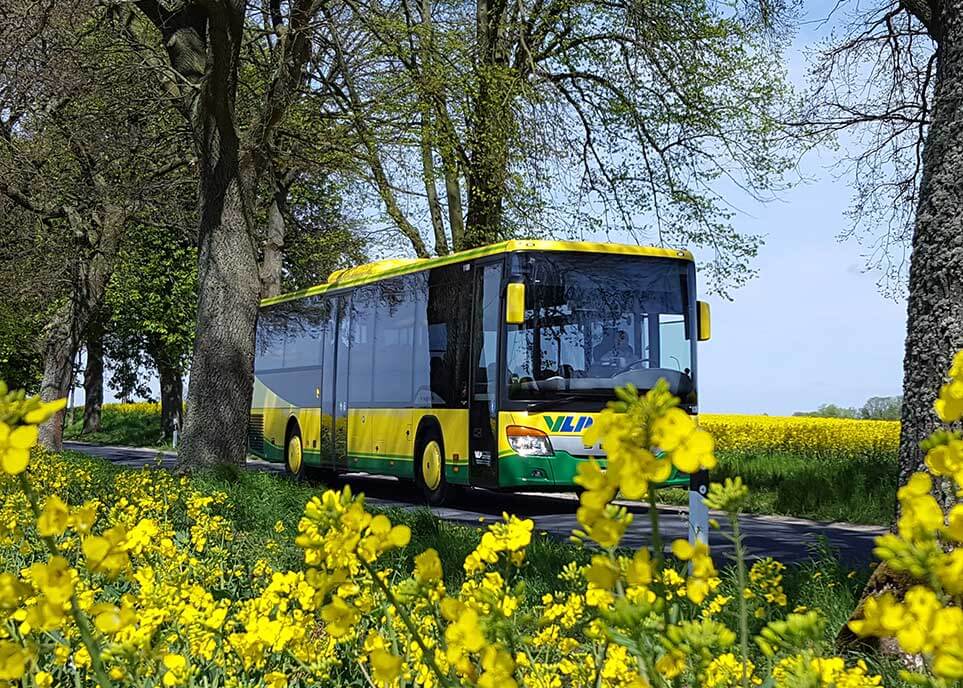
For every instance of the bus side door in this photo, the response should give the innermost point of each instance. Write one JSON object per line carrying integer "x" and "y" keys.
{"x": 483, "y": 405}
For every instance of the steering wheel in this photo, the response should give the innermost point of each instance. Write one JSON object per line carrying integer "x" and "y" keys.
{"x": 630, "y": 366}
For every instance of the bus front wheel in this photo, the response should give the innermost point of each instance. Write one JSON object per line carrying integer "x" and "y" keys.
{"x": 431, "y": 469}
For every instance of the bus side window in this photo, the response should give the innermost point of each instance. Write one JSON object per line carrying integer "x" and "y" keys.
{"x": 449, "y": 329}
{"x": 393, "y": 342}
{"x": 361, "y": 354}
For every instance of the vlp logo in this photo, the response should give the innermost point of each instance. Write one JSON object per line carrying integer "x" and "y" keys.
{"x": 567, "y": 423}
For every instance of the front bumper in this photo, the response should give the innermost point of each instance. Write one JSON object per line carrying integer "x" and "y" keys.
{"x": 554, "y": 473}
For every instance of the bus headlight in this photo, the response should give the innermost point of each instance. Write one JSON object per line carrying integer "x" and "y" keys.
{"x": 526, "y": 441}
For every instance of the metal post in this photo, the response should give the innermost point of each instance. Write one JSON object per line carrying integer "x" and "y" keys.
{"x": 698, "y": 511}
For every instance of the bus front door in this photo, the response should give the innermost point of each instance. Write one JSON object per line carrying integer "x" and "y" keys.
{"x": 483, "y": 408}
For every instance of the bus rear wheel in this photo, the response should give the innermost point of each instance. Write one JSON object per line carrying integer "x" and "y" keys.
{"x": 430, "y": 459}
{"x": 294, "y": 454}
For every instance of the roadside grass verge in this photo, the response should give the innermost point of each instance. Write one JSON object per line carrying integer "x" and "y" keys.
{"x": 856, "y": 490}
{"x": 258, "y": 501}
{"x": 125, "y": 425}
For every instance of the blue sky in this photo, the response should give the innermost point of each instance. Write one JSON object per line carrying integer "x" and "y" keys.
{"x": 812, "y": 328}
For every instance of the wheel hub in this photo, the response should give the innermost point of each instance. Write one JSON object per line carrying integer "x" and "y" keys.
{"x": 294, "y": 454}
{"x": 431, "y": 465}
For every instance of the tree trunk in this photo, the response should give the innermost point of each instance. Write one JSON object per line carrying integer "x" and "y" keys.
{"x": 62, "y": 337}
{"x": 64, "y": 331}
{"x": 491, "y": 130}
{"x": 272, "y": 254}
{"x": 489, "y": 166}
{"x": 222, "y": 367}
{"x": 431, "y": 191}
{"x": 934, "y": 313}
{"x": 172, "y": 397}
{"x": 456, "y": 220}
{"x": 935, "y": 306}
{"x": 94, "y": 378}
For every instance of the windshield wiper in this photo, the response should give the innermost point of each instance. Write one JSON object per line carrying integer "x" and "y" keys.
{"x": 560, "y": 400}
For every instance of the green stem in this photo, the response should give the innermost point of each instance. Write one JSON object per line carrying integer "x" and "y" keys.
{"x": 83, "y": 624}
{"x": 428, "y": 654}
{"x": 743, "y": 611}
{"x": 656, "y": 535}
{"x": 657, "y": 546}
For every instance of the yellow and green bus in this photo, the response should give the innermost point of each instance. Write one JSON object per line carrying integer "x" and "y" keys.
{"x": 481, "y": 368}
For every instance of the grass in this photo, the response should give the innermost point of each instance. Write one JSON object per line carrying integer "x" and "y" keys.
{"x": 127, "y": 425}
{"x": 258, "y": 500}
{"x": 857, "y": 489}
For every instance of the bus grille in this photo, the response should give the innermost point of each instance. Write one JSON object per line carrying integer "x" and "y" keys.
{"x": 255, "y": 433}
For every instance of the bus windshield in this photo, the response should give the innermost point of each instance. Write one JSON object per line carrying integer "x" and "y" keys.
{"x": 594, "y": 322}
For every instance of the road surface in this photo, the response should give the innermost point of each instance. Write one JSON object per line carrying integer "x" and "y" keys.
{"x": 787, "y": 539}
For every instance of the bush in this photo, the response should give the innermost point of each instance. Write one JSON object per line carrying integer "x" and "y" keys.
{"x": 152, "y": 586}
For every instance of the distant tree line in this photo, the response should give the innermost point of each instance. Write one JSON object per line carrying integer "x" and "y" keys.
{"x": 875, "y": 408}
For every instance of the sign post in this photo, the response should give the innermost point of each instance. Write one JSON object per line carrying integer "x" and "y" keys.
{"x": 698, "y": 511}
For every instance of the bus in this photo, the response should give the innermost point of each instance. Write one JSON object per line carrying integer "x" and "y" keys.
{"x": 482, "y": 368}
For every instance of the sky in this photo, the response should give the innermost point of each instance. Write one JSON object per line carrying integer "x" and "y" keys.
{"x": 812, "y": 327}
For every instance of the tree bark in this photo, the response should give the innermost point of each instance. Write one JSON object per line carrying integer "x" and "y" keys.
{"x": 934, "y": 311}
{"x": 94, "y": 377}
{"x": 62, "y": 337}
{"x": 431, "y": 191}
{"x": 491, "y": 129}
{"x": 935, "y": 305}
{"x": 203, "y": 44}
{"x": 456, "y": 220}
{"x": 272, "y": 253}
{"x": 222, "y": 367}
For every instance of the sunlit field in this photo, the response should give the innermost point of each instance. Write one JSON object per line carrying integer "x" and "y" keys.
{"x": 829, "y": 469}
{"x": 816, "y": 438}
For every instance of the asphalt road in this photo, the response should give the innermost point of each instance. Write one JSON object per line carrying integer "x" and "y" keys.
{"x": 786, "y": 539}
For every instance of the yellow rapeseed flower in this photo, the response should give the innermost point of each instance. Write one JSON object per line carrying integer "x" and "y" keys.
{"x": 54, "y": 517}
{"x": 428, "y": 566}
{"x": 15, "y": 444}
{"x": 385, "y": 667}
{"x": 13, "y": 661}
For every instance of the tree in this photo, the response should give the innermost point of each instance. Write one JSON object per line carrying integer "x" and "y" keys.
{"x": 875, "y": 408}
{"x": 152, "y": 301}
{"x": 882, "y": 408}
{"x": 896, "y": 80}
{"x": 233, "y": 147}
{"x": 78, "y": 155}
{"x": 828, "y": 411}
{"x": 536, "y": 116}
{"x": 20, "y": 363}
{"x": 94, "y": 373}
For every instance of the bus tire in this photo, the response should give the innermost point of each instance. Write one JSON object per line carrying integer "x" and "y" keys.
{"x": 430, "y": 468}
{"x": 294, "y": 453}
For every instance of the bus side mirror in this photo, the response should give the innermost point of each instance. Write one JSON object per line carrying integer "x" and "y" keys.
{"x": 515, "y": 304}
{"x": 705, "y": 321}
